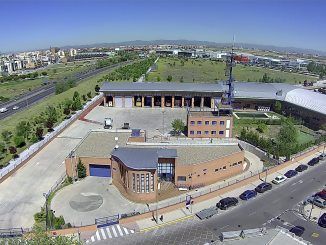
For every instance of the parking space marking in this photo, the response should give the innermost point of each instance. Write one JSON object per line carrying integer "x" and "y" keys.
{"x": 119, "y": 230}
{"x": 103, "y": 234}
{"x": 98, "y": 236}
{"x": 114, "y": 232}
{"x": 108, "y": 231}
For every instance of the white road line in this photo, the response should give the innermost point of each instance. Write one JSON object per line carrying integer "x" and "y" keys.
{"x": 108, "y": 231}
{"x": 125, "y": 230}
{"x": 224, "y": 226}
{"x": 119, "y": 229}
{"x": 98, "y": 236}
{"x": 103, "y": 234}
{"x": 132, "y": 231}
{"x": 114, "y": 232}
{"x": 93, "y": 239}
{"x": 252, "y": 213}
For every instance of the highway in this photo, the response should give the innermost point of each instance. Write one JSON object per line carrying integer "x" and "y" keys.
{"x": 258, "y": 212}
{"x": 41, "y": 93}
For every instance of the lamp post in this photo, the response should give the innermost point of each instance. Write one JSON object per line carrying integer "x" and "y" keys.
{"x": 156, "y": 213}
{"x": 46, "y": 196}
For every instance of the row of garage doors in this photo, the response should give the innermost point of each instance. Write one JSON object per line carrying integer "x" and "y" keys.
{"x": 123, "y": 102}
{"x": 100, "y": 170}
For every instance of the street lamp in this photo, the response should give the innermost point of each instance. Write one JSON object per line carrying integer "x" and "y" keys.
{"x": 46, "y": 195}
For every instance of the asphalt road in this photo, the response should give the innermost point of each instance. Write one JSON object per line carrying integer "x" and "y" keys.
{"x": 258, "y": 212}
{"x": 39, "y": 94}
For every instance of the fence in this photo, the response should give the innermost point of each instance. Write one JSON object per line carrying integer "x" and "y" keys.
{"x": 25, "y": 155}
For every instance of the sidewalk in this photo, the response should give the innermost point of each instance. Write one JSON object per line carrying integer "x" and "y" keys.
{"x": 183, "y": 213}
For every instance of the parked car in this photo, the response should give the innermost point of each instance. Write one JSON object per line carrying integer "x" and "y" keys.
{"x": 301, "y": 168}
{"x": 3, "y": 109}
{"x": 291, "y": 173}
{"x": 263, "y": 187}
{"x": 313, "y": 161}
{"x": 279, "y": 179}
{"x": 297, "y": 230}
{"x": 248, "y": 194}
{"x": 322, "y": 156}
{"x": 15, "y": 107}
{"x": 321, "y": 194}
{"x": 322, "y": 220}
{"x": 227, "y": 202}
{"x": 320, "y": 202}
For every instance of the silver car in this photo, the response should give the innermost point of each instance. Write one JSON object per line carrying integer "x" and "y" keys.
{"x": 320, "y": 202}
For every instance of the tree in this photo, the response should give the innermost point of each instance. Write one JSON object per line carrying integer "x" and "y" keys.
{"x": 261, "y": 127}
{"x": 169, "y": 78}
{"x": 44, "y": 73}
{"x": 178, "y": 126}
{"x": 39, "y": 132}
{"x": 23, "y": 129}
{"x": 51, "y": 115}
{"x": 19, "y": 140}
{"x": 158, "y": 78}
{"x": 181, "y": 79}
{"x": 287, "y": 138}
{"x": 97, "y": 88}
{"x": 84, "y": 97}
{"x": 6, "y": 135}
{"x": 76, "y": 105}
{"x": 278, "y": 107}
{"x": 89, "y": 94}
{"x": 81, "y": 170}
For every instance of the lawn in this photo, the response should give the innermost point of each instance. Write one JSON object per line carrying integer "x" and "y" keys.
{"x": 209, "y": 71}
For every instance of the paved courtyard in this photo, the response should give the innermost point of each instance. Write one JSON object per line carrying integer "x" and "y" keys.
{"x": 93, "y": 197}
{"x": 149, "y": 119}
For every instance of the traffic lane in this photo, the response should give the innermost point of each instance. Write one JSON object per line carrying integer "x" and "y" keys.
{"x": 254, "y": 213}
{"x": 27, "y": 102}
{"x": 313, "y": 232}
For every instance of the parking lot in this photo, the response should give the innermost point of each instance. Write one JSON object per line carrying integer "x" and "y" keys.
{"x": 157, "y": 121}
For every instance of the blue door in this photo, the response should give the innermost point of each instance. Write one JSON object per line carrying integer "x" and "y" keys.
{"x": 100, "y": 170}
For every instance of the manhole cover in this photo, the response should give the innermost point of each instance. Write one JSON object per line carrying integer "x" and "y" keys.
{"x": 86, "y": 202}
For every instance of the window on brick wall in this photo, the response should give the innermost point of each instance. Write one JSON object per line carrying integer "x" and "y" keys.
{"x": 138, "y": 183}
{"x": 206, "y": 122}
{"x": 199, "y": 132}
{"x": 182, "y": 178}
{"x": 142, "y": 182}
{"x": 221, "y": 122}
{"x": 213, "y": 132}
{"x": 199, "y": 122}
{"x": 192, "y": 122}
{"x": 133, "y": 182}
{"x": 206, "y": 132}
{"x": 214, "y": 122}
{"x": 152, "y": 182}
{"x": 192, "y": 132}
{"x": 221, "y": 132}
{"x": 147, "y": 183}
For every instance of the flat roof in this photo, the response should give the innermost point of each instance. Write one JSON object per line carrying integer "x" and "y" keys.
{"x": 208, "y": 114}
{"x": 100, "y": 143}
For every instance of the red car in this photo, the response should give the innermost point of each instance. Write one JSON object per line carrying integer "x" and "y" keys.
{"x": 321, "y": 194}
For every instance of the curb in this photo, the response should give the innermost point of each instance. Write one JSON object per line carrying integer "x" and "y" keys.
{"x": 167, "y": 223}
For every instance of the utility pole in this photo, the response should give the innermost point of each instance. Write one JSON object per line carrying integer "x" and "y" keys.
{"x": 46, "y": 195}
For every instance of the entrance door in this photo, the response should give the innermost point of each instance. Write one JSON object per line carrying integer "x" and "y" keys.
{"x": 128, "y": 102}
{"x": 118, "y": 101}
{"x": 100, "y": 170}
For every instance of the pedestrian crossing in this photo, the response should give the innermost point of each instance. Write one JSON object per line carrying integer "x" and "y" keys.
{"x": 109, "y": 232}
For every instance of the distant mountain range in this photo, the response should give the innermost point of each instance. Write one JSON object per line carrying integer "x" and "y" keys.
{"x": 201, "y": 43}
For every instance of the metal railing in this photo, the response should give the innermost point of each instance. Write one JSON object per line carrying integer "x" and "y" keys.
{"x": 23, "y": 156}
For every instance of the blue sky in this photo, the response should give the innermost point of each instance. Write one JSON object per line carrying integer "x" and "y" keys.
{"x": 32, "y": 24}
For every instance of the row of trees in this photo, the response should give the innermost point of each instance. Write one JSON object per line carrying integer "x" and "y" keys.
{"x": 122, "y": 56}
{"x": 15, "y": 77}
{"x": 32, "y": 131}
{"x": 319, "y": 69}
{"x": 267, "y": 79}
{"x": 63, "y": 86}
{"x": 132, "y": 71}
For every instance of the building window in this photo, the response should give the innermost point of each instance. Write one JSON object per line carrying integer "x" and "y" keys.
{"x": 181, "y": 178}
{"x": 213, "y": 132}
{"x": 240, "y": 162}
{"x": 142, "y": 183}
{"x": 192, "y": 122}
{"x": 133, "y": 182}
{"x": 199, "y": 132}
{"x": 224, "y": 167}
{"x": 221, "y": 122}
{"x": 192, "y": 132}
{"x": 147, "y": 183}
{"x": 206, "y": 122}
{"x": 198, "y": 122}
{"x": 152, "y": 182}
{"x": 138, "y": 183}
{"x": 216, "y": 169}
{"x": 214, "y": 122}
{"x": 206, "y": 132}
{"x": 165, "y": 171}
{"x": 221, "y": 132}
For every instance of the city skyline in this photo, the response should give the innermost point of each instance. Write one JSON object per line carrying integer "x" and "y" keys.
{"x": 79, "y": 22}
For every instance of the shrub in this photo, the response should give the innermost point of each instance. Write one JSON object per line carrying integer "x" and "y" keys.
{"x": 19, "y": 141}
{"x": 12, "y": 149}
{"x": 81, "y": 170}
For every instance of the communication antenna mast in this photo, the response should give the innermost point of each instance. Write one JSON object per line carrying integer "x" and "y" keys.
{"x": 230, "y": 63}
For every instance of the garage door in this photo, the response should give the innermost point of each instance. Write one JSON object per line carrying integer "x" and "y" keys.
{"x": 100, "y": 170}
{"x": 128, "y": 102}
{"x": 118, "y": 101}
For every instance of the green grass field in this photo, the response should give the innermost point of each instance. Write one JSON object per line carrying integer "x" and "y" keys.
{"x": 209, "y": 71}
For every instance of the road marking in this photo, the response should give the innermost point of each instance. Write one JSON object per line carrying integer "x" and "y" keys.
{"x": 93, "y": 239}
{"x": 108, "y": 231}
{"x": 126, "y": 230}
{"x": 132, "y": 231}
{"x": 224, "y": 226}
{"x": 98, "y": 236}
{"x": 114, "y": 232}
{"x": 103, "y": 234}
{"x": 293, "y": 190}
{"x": 252, "y": 213}
{"x": 119, "y": 229}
